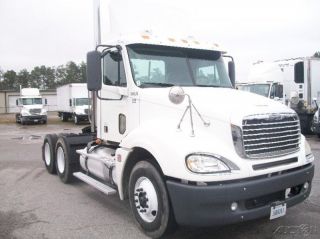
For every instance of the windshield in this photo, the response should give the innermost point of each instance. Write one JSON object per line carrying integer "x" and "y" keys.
{"x": 31, "y": 101}
{"x": 81, "y": 101}
{"x": 260, "y": 89}
{"x": 163, "y": 66}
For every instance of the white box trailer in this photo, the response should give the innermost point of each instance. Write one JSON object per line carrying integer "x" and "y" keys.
{"x": 73, "y": 102}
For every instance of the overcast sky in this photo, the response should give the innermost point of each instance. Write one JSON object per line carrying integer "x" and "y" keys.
{"x": 52, "y": 32}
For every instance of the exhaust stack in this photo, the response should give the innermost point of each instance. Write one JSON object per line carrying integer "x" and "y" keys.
{"x": 97, "y": 41}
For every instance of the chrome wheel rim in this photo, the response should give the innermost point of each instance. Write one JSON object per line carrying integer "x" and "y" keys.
{"x": 145, "y": 199}
{"x": 60, "y": 159}
{"x": 47, "y": 154}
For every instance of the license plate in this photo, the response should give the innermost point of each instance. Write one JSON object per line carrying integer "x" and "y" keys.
{"x": 35, "y": 120}
{"x": 278, "y": 211}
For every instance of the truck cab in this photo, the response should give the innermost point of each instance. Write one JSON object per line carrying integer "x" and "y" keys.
{"x": 80, "y": 109}
{"x": 269, "y": 89}
{"x": 31, "y": 106}
{"x": 171, "y": 134}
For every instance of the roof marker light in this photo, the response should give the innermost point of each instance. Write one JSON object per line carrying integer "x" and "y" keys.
{"x": 171, "y": 39}
{"x": 145, "y": 37}
{"x": 184, "y": 41}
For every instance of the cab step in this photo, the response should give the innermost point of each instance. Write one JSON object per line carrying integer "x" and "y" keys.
{"x": 95, "y": 183}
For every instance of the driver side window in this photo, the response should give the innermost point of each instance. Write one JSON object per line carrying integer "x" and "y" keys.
{"x": 113, "y": 70}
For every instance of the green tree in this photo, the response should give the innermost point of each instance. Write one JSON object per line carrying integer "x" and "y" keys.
{"x": 43, "y": 78}
{"x": 23, "y": 78}
{"x": 37, "y": 77}
{"x": 60, "y": 75}
{"x": 1, "y": 75}
{"x": 9, "y": 81}
{"x": 83, "y": 72}
{"x": 317, "y": 54}
{"x": 73, "y": 74}
{"x": 50, "y": 78}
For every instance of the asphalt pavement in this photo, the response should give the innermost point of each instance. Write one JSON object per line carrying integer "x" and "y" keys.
{"x": 35, "y": 204}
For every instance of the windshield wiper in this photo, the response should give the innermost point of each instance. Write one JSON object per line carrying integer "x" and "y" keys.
{"x": 215, "y": 86}
{"x": 153, "y": 84}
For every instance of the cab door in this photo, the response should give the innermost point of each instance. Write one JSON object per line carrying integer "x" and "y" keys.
{"x": 113, "y": 99}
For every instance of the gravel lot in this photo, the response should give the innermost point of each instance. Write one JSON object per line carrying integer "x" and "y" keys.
{"x": 34, "y": 204}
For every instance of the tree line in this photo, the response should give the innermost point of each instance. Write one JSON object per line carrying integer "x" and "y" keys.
{"x": 43, "y": 77}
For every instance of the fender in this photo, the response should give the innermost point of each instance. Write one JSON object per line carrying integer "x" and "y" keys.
{"x": 170, "y": 148}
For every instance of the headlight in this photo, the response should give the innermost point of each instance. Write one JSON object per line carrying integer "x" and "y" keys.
{"x": 44, "y": 112}
{"x": 237, "y": 140}
{"x": 25, "y": 112}
{"x": 205, "y": 163}
{"x": 308, "y": 152}
{"x": 79, "y": 112}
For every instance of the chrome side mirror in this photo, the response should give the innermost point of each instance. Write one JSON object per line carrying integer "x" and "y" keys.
{"x": 176, "y": 95}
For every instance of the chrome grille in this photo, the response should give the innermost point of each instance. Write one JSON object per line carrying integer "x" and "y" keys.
{"x": 270, "y": 135}
{"x": 35, "y": 111}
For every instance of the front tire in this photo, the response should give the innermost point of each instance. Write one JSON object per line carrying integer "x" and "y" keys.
{"x": 65, "y": 168}
{"x": 149, "y": 200}
{"x": 64, "y": 117}
{"x": 48, "y": 152}
{"x": 76, "y": 119}
{"x": 23, "y": 122}
{"x": 17, "y": 118}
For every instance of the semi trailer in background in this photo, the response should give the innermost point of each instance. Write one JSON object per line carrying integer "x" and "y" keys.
{"x": 295, "y": 82}
{"x": 161, "y": 138}
{"x": 31, "y": 105}
{"x": 73, "y": 102}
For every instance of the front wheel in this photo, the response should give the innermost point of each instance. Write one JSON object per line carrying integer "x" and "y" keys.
{"x": 149, "y": 200}
{"x": 76, "y": 119}
{"x": 22, "y": 121}
{"x": 64, "y": 117}
{"x": 17, "y": 118}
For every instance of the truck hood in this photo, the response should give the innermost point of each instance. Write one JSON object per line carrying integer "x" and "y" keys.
{"x": 222, "y": 104}
{"x": 80, "y": 109}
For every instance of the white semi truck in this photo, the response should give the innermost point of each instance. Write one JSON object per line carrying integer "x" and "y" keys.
{"x": 31, "y": 106}
{"x": 73, "y": 102}
{"x": 162, "y": 137}
{"x": 295, "y": 82}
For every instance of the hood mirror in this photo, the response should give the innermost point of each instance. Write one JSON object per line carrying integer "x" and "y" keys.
{"x": 176, "y": 95}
